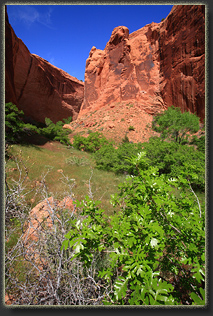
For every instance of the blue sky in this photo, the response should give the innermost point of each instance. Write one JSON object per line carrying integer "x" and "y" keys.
{"x": 65, "y": 34}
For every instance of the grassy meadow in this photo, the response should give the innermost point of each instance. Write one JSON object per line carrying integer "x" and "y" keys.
{"x": 64, "y": 169}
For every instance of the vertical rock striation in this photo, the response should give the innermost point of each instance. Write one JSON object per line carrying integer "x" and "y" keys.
{"x": 182, "y": 58}
{"x": 37, "y": 87}
{"x": 160, "y": 65}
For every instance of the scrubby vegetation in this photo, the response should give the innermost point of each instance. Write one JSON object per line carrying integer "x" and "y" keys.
{"x": 155, "y": 244}
{"x": 92, "y": 143}
{"x": 16, "y": 129}
{"x": 56, "y": 131}
{"x": 174, "y": 125}
{"x": 149, "y": 250}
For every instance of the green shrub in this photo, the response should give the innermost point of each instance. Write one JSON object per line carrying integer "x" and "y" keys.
{"x": 15, "y": 128}
{"x": 111, "y": 159}
{"x": 171, "y": 159}
{"x": 106, "y": 158}
{"x": 155, "y": 244}
{"x": 13, "y": 121}
{"x": 91, "y": 144}
{"x": 173, "y": 124}
{"x": 199, "y": 142}
{"x": 56, "y": 131}
{"x": 131, "y": 128}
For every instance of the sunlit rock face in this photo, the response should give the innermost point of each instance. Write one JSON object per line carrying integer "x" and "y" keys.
{"x": 160, "y": 65}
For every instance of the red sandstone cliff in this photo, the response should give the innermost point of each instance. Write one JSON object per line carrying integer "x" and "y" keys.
{"x": 182, "y": 58}
{"x": 37, "y": 87}
{"x": 155, "y": 67}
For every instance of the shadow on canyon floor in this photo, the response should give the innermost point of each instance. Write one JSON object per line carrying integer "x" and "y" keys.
{"x": 34, "y": 140}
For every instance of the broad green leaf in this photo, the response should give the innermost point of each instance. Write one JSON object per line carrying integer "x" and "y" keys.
{"x": 65, "y": 244}
{"x": 120, "y": 288}
{"x": 197, "y": 300}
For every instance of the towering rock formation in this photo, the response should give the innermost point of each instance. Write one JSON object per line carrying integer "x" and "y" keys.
{"x": 157, "y": 66}
{"x": 37, "y": 87}
{"x": 182, "y": 58}
{"x": 160, "y": 65}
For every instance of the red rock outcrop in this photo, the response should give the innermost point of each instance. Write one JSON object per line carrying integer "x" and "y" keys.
{"x": 155, "y": 67}
{"x": 37, "y": 87}
{"x": 182, "y": 58}
{"x": 127, "y": 70}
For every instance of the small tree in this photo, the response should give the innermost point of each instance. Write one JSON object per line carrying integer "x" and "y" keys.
{"x": 56, "y": 131}
{"x": 15, "y": 128}
{"x": 174, "y": 124}
{"x": 13, "y": 122}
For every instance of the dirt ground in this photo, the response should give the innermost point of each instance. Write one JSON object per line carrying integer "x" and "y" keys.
{"x": 115, "y": 121}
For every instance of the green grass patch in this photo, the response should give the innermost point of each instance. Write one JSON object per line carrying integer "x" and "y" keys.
{"x": 54, "y": 163}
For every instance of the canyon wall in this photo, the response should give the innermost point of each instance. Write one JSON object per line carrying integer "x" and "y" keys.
{"x": 37, "y": 87}
{"x": 159, "y": 65}
{"x": 182, "y": 58}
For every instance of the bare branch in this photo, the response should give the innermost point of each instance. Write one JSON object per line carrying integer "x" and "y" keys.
{"x": 196, "y": 198}
{"x": 37, "y": 270}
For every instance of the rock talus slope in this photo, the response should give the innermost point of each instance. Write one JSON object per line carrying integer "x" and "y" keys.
{"x": 160, "y": 65}
{"x": 37, "y": 87}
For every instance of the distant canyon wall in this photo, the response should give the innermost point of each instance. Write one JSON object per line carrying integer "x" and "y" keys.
{"x": 37, "y": 87}
{"x": 159, "y": 65}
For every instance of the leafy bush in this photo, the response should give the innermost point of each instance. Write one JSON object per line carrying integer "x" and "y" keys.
{"x": 199, "y": 142}
{"x": 15, "y": 127}
{"x": 169, "y": 157}
{"x": 91, "y": 144}
{"x": 56, "y": 131}
{"x": 111, "y": 159}
{"x": 172, "y": 158}
{"x": 155, "y": 245}
{"x": 13, "y": 121}
{"x": 174, "y": 124}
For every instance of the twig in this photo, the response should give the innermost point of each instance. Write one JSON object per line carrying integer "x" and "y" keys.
{"x": 90, "y": 189}
{"x": 195, "y": 197}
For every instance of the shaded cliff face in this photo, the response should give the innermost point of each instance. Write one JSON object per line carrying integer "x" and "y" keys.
{"x": 182, "y": 58}
{"x": 10, "y": 95}
{"x": 37, "y": 87}
{"x": 155, "y": 67}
